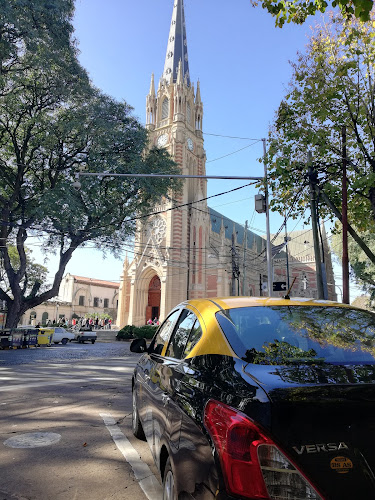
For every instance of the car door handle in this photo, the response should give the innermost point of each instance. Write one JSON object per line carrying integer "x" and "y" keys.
{"x": 165, "y": 398}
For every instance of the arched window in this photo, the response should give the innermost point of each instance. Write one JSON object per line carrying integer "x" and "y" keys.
{"x": 165, "y": 109}
{"x": 44, "y": 317}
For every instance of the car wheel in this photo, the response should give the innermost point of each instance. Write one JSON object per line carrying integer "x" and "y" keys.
{"x": 79, "y": 341}
{"x": 169, "y": 488}
{"x": 64, "y": 341}
{"x": 93, "y": 341}
{"x": 136, "y": 423}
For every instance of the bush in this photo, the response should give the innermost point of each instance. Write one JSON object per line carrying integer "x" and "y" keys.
{"x": 126, "y": 333}
{"x": 136, "y": 332}
{"x": 145, "y": 332}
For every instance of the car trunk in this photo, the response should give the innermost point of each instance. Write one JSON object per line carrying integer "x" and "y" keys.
{"x": 323, "y": 419}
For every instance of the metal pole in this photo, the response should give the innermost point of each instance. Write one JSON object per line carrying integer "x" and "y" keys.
{"x": 287, "y": 256}
{"x": 345, "y": 256}
{"x": 171, "y": 176}
{"x": 233, "y": 269}
{"x": 244, "y": 261}
{"x": 269, "y": 254}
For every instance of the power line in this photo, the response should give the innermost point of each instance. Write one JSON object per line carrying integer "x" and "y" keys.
{"x": 234, "y": 137}
{"x": 230, "y": 154}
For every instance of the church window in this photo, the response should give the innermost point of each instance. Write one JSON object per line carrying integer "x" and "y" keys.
{"x": 165, "y": 109}
{"x": 106, "y": 302}
{"x": 81, "y": 300}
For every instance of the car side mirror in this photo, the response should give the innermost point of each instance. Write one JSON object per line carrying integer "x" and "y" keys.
{"x": 138, "y": 345}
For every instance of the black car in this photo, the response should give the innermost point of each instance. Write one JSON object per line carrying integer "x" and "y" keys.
{"x": 259, "y": 398}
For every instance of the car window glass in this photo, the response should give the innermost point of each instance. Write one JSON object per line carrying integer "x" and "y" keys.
{"x": 279, "y": 335}
{"x": 195, "y": 335}
{"x": 164, "y": 333}
{"x": 181, "y": 334}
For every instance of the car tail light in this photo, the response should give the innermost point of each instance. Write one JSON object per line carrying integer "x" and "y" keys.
{"x": 253, "y": 466}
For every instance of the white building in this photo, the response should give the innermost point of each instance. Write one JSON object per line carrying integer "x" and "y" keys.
{"x": 78, "y": 297}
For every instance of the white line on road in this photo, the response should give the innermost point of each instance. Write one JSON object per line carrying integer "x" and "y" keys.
{"x": 147, "y": 481}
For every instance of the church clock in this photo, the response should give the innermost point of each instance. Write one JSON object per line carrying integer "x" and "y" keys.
{"x": 162, "y": 140}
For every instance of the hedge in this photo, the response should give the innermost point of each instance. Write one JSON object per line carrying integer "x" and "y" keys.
{"x": 136, "y": 332}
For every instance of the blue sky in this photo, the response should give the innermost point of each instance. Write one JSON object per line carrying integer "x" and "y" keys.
{"x": 243, "y": 63}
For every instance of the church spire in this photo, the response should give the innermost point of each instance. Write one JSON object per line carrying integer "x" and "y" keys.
{"x": 177, "y": 45}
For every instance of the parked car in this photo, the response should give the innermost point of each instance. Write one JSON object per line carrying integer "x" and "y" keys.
{"x": 62, "y": 335}
{"x": 85, "y": 334}
{"x": 260, "y": 398}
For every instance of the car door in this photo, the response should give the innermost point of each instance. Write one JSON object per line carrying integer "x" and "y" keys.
{"x": 172, "y": 373}
{"x": 153, "y": 395}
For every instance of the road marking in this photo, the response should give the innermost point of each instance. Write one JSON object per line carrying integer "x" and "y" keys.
{"x": 146, "y": 480}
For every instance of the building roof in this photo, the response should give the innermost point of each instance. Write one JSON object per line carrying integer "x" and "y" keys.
{"x": 230, "y": 226}
{"x": 177, "y": 45}
{"x": 95, "y": 282}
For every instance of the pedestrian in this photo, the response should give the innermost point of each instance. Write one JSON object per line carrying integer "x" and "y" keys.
{"x": 149, "y": 322}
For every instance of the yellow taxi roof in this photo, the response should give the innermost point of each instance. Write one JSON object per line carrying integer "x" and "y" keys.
{"x": 234, "y": 302}
{"x": 213, "y": 341}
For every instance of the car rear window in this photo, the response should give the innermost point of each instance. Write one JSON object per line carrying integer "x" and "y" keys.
{"x": 278, "y": 335}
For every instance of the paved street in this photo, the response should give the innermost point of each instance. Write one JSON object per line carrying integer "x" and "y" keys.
{"x": 65, "y": 425}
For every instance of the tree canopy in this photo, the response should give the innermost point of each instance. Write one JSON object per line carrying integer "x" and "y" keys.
{"x": 361, "y": 270}
{"x": 54, "y": 123}
{"x": 332, "y": 86}
{"x": 297, "y": 11}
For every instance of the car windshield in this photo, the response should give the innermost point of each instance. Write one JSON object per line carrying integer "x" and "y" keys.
{"x": 282, "y": 335}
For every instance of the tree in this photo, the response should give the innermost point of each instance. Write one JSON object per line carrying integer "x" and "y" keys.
{"x": 297, "y": 11}
{"x": 332, "y": 86}
{"x": 53, "y": 123}
{"x": 35, "y": 274}
{"x": 361, "y": 270}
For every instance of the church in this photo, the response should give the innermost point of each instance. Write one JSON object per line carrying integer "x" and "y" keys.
{"x": 187, "y": 250}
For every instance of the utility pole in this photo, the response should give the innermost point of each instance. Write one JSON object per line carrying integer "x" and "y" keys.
{"x": 235, "y": 270}
{"x": 314, "y": 222}
{"x": 345, "y": 256}
{"x": 287, "y": 256}
{"x": 244, "y": 261}
{"x": 269, "y": 252}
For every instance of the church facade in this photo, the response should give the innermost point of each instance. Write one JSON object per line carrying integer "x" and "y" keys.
{"x": 187, "y": 250}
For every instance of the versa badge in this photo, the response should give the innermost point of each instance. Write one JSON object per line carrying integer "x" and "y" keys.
{"x": 317, "y": 448}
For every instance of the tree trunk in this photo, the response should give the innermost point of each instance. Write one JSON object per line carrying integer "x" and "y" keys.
{"x": 351, "y": 231}
{"x": 14, "y": 313}
{"x": 372, "y": 200}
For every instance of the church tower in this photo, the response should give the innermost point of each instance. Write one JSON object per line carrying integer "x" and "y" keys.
{"x": 169, "y": 266}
